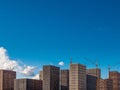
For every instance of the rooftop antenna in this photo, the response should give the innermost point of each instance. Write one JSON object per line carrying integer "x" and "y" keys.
{"x": 109, "y": 68}
{"x": 70, "y": 60}
{"x": 11, "y": 68}
{"x": 108, "y": 71}
{"x": 96, "y": 64}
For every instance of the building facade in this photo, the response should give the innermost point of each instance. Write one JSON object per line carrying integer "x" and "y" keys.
{"x": 41, "y": 75}
{"x": 77, "y": 77}
{"x": 94, "y": 72}
{"x": 27, "y": 84}
{"x": 64, "y": 79}
{"x": 7, "y": 79}
{"x": 91, "y": 82}
{"x": 51, "y": 77}
{"x": 115, "y": 76}
{"x": 108, "y": 84}
{"x": 92, "y": 76}
{"x": 105, "y": 84}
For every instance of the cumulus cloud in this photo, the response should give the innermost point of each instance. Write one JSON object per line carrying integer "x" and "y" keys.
{"x": 28, "y": 71}
{"x": 8, "y": 64}
{"x": 36, "y": 77}
{"x": 61, "y": 63}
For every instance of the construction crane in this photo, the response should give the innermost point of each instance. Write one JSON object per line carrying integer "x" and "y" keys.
{"x": 70, "y": 60}
{"x": 92, "y": 62}
{"x": 95, "y": 63}
{"x": 109, "y": 67}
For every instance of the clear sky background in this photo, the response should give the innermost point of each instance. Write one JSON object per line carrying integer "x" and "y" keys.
{"x": 42, "y": 32}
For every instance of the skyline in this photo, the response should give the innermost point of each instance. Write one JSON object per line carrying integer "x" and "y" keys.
{"x": 30, "y": 71}
{"x": 48, "y": 32}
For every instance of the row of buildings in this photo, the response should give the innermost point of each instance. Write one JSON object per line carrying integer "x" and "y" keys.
{"x": 52, "y": 78}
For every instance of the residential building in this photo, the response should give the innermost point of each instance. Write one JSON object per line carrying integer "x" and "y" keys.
{"x": 7, "y": 79}
{"x": 27, "y": 84}
{"x": 64, "y": 79}
{"x": 51, "y": 77}
{"x": 77, "y": 77}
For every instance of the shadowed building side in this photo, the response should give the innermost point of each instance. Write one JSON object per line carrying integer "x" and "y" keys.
{"x": 91, "y": 82}
{"x": 92, "y": 76}
{"x": 51, "y": 77}
{"x": 64, "y": 79}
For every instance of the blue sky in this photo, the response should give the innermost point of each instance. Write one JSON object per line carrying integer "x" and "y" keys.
{"x": 42, "y": 32}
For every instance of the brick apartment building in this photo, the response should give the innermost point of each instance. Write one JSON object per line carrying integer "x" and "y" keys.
{"x": 96, "y": 72}
{"x": 92, "y": 76}
{"x": 64, "y": 79}
{"x": 77, "y": 77}
{"x": 41, "y": 75}
{"x": 91, "y": 82}
{"x": 104, "y": 84}
{"x": 51, "y": 77}
{"x": 27, "y": 84}
{"x": 115, "y": 76}
{"x": 7, "y": 79}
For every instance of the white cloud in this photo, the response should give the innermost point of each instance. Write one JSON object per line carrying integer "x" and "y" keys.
{"x": 36, "y": 77}
{"x": 8, "y": 64}
{"x": 61, "y": 63}
{"x": 28, "y": 71}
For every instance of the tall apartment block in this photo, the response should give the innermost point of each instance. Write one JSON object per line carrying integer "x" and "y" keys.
{"x": 92, "y": 76}
{"x": 7, "y": 79}
{"x": 115, "y": 76}
{"x": 27, "y": 84}
{"x": 51, "y": 77}
{"x": 105, "y": 84}
{"x": 64, "y": 79}
{"x": 77, "y": 77}
{"x": 41, "y": 75}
